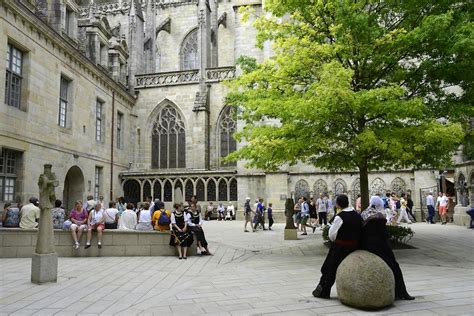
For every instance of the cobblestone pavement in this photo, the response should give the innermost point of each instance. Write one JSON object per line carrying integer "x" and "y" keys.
{"x": 250, "y": 273}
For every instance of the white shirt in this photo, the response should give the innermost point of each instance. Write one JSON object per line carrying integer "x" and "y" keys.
{"x": 231, "y": 209}
{"x": 145, "y": 216}
{"x": 321, "y": 205}
{"x": 337, "y": 224}
{"x": 186, "y": 218}
{"x": 190, "y": 222}
{"x": 110, "y": 215}
{"x": 443, "y": 201}
{"x": 128, "y": 220}
{"x": 96, "y": 216}
{"x": 429, "y": 200}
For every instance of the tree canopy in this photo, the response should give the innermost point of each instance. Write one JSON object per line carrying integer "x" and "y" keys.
{"x": 357, "y": 85}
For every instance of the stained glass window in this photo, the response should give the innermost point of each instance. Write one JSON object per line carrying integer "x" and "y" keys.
{"x": 168, "y": 140}
{"x": 189, "y": 52}
{"x": 227, "y": 127}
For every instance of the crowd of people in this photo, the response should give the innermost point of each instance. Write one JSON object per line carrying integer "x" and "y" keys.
{"x": 183, "y": 223}
{"x": 256, "y": 218}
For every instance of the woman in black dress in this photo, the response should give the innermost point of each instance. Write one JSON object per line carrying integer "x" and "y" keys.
{"x": 375, "y": 239}
{"x": 180, "y": 235}
{"x": 195, "y": 226}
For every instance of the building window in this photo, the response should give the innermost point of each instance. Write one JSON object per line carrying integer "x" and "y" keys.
{"x": 98, "y": 120}
{"x": 63, "y": 101}
{"x": 227, "y": 127}
{"x": 97, "y": 182}
{"x": 13, "y": 76}
{"x": 119, "y": 130}
{"x": 68, "y": 21}
{"x": 189, "y": 52}
{"x": 8, "y": 174}
{"x": 168, "y": 140}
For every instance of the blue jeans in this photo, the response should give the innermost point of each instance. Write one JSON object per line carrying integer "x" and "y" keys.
{"x": 431, "y": 213}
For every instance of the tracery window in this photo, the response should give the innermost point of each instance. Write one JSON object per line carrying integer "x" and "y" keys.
{"x": 168, "y": 140}
{"x": 319, "y": 187}
{"x": 233, "y": 190}
{"x": 223, "y": 190}
{"x": 339, "y": 187}
{"x": 301, "y": 189}
{"x": 200, "y": 189}
{"x": 398, "y": 186}
{"x": 227, "y": 127}
{"x": 378, "y": 187}
{"x": 189, "y": 52}
{"x": 211, "y": 190}
{"x": 355, "y": 190}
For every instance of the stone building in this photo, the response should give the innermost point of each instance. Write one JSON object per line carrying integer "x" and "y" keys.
{"x": 126, "y": 97}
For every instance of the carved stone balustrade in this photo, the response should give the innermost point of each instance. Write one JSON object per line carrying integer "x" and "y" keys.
{"x": 213, "y": 75}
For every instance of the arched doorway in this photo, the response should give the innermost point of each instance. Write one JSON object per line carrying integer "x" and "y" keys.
{"x": 73, "y": 187}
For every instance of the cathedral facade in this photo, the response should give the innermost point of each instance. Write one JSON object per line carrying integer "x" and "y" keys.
{"x": 127, "y": 97}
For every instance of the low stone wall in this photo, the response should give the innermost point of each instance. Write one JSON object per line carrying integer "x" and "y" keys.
{"x": 21, "y": 243}
{"x": 460, "y": 217}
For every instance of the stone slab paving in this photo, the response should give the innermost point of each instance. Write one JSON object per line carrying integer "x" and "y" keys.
{"x": 249, "y": 274}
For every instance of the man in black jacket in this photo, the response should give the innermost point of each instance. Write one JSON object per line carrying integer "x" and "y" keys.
{"x": 344, "y": 234}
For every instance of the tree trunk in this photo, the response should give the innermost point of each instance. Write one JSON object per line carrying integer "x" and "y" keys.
{"x": 364, "y": 186}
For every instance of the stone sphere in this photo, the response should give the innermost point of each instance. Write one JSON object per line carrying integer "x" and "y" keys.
{"x": 365, "y": 281}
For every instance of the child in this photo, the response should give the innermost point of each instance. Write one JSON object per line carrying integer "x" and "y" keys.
{"x": 180, "y": 237}
{"x": 270, "y": 216}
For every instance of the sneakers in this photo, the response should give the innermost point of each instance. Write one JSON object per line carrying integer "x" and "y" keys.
{"x": 87, "y": 246}
{"x": 76, "y": 245}
{"x": 314, "y": 228}
{"x": 303, "y": 234}
{"x": 99, "y": 245}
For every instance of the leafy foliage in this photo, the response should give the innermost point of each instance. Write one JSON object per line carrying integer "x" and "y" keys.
{"x": 357, "y": 85}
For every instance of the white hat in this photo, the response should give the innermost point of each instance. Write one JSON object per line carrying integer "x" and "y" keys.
{"x": 247, "y": 198}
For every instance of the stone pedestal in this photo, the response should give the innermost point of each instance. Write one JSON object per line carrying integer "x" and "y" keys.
{"x": 460, "y": 216}
{"x": 44, "y": 268}
{"x": 291, "y": 234}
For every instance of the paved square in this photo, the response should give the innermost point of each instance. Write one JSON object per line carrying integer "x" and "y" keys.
{"x": 250, "y": 273}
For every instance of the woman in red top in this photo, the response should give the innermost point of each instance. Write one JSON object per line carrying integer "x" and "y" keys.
{"x": 78, "y": 218}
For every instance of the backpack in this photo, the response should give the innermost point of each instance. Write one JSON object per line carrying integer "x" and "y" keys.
{"x": 164, "y": 219}
{"x": 397, "y": 205}
{"x": 385, "y": 202}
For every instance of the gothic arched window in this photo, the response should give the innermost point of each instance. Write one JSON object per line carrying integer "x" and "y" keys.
{"x": 319, "y": 187}
{"x": 168, "y": 140}
{"x": 339, "y": 187}
{"x": 301, "y": 189}
{"x": 227, "y": 127}
{"x": 378, "y": 187}
{"x": 189, "y": 51}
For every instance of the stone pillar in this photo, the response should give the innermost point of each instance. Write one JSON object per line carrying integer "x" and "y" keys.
{"x": 44, "y": 265}
{"x": 214, "y": 5}
{"x": 150, "y": 22}
{"x": 135, "y": 43}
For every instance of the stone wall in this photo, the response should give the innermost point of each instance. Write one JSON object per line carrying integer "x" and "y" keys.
{"x": 21, "y": 243}
{"x": 34, "y": 130}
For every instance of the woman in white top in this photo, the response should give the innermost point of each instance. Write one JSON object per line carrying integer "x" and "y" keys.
{"x": 144, "y": 218}
{"x": 128, "y": 220}
{"x": 95, "y": 222}
{"x": 111, "y": 216}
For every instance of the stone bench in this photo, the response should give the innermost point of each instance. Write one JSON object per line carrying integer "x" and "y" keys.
{"x": 21, "y": 243}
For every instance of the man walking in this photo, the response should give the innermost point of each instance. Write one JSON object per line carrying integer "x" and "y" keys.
{"x": 345, "y": 233}
{"x": 304, "y": 214}
{"x": 430, "y": 204}
{"x": 248, "y": 214}
{"x": 260, "y": 215}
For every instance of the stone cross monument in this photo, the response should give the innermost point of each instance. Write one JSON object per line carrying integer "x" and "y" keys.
{"x": 44, "y": 266}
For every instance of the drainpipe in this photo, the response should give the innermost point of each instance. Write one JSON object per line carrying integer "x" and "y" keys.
{"x": 112, "y": 149}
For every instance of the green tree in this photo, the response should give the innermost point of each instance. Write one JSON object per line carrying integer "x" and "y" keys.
{"x": 357, "y": 85}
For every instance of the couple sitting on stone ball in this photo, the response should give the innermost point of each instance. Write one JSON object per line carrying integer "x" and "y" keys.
{"x": 352, "y": 231}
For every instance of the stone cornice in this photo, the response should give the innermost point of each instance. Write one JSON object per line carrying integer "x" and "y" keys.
{"x": 52, "y": 38}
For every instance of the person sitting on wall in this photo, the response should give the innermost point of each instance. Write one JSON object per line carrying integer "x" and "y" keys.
{"x": 11, "y": 216}
{"x": 30, "y": 214}
{"x": 128, "y": 220}
{"x": 78, "y": 218}
{"x": 161, "y": 219}
{"x": 195, "y": 226}
{"x": 111, "y": 216}
{"x": 59, "y": 215}
{"x": 344, "y": 233}
{"x": 95, "y": 222}
{"x": 220, "y": 211}
{"x": 209, "y": 211}
{"x": 181, "y": 238}
{"x": 144, "y": 218}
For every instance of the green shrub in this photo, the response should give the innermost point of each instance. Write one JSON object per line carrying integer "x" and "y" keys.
{"x": 397, "y": 234}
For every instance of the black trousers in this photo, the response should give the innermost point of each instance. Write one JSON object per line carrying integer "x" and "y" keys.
{"x": 323, "y": 216}
{"x": 270, "y": 222}
{"x": 336, "y": 255}
{"x": 382, "y": 248}
{"x": 259, "y": 220}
